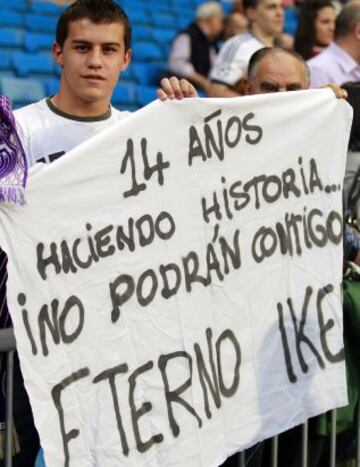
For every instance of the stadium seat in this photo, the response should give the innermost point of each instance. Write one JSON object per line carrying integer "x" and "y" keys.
{"x": 144, "y": 51}
{"x": 163, "y": 21}
{"x": 11, "y": 19}
{"x": 5, "y": 60}
{"x": 46, "y": 8}
{"x": 163, "y": 36}
{"x": 18, "y": 5}
{"x": 41, "y": 23}
{"x": 148, "y": 73}
{"x": 22, "y": 91}
{"x": 146, "y": 94}
{"x": 26, "y": 63}
{"x": 142, "y": 33}
{"x": 125, "y": 97}
{"x": 38, "y": 41}
{"x": 11, "y": 38}
{"x": 138, "y": 16}
{"x": 51, "y": 85}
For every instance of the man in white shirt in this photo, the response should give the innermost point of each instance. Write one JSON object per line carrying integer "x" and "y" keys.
{"x": 93, "y": 47}
{"x": 266, "y": 18}
{"x": 340, "y": 62}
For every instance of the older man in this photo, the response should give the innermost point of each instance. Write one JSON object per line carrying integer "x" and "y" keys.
{"x": 194, "y": 49}
{"x": 340, "y": 62}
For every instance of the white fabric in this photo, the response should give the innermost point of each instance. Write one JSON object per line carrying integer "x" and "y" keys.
{"x": 224, "y": 310}
{"x": 233, "y": 59}
{"x": 44, "y": 133}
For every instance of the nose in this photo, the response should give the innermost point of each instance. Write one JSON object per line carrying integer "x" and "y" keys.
{"x": 95, "y": 58}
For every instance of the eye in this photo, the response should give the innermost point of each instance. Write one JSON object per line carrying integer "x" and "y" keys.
{"x": 82, "y": 48}
{"x": 110, "y": 49}
{"x": 269, "y": 87}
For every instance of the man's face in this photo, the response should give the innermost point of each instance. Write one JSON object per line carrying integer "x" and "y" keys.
{"x": 268, "y": 16}
{"x": 92, "y": 58}
{"x": 278, "y": 72}
{"x": 216, "y": 24}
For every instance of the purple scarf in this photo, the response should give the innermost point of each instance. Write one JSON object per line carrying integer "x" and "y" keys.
{"x": 13, "y": 177}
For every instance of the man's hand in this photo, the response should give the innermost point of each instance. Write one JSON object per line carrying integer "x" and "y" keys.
{"x": 339, "y": 92}
{"x": 173, "y": 88}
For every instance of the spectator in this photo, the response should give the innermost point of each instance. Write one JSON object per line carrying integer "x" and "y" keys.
{"x": 93, "y": 46}
{"x": 340, "y": 62}
{"x": 315, "y": 29}
{"x": 266, "y": 18}
{"x": 235, "y": 23}
{"x": 194, "y": 49}
{"x": 352, "y": 173}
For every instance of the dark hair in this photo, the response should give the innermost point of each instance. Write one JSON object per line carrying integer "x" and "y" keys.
{"x": 260, "y": 54}
{"x": 305, "y": 33}
{"x": 347, "y": 19}
{"x": 353, "y": 90}
{"x": 250, "y": 4}
{"x": 97, "y": 11}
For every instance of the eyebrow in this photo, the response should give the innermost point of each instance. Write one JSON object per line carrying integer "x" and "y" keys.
{"x": 83, "y": 41}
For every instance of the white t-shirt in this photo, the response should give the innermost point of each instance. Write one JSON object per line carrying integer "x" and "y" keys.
{"x": 47, "y": 133}
{"x": 233, "y": 59}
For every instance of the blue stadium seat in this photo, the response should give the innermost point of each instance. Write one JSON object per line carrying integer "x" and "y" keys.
{"x": 291, "y": 20}
{"x": 46, "y": 8}
{"x": 11, "y": 38}
{"x": 146, "y": 94}
{"x": 144, "y": 51}
{"x": 148, "y": 73}
{"x": 11, "y": 19}
{"x": 22, "y": 91}
{"x": 142, "y": 33}
{"x": 124, "y": 94}
{"x": 163, "y": 36}
{"x": 51, "y": 85}
{"x": 163, "y": 21}
{"x": 41, "y": 23}
{"x": 38, "y": 41}
{"x": 138, "y": 16}
{"x": 18, "y": 5}
{"x": 26, "y": 63}
{"x": 5, "y": 60}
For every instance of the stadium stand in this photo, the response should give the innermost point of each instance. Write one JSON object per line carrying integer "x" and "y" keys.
{"x": 27, "y": 30}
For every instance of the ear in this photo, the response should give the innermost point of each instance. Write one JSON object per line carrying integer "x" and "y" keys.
{"x": 127, "y": 59}
{"x": 357, "y": 31}
{"x": 57, "y": 53}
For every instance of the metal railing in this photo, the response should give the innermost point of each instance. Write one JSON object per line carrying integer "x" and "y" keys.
{"x": 8, "y": 346}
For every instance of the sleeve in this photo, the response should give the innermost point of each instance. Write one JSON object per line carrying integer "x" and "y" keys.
{"x": 230, "y": 65}
{"x": 179, "y": 58}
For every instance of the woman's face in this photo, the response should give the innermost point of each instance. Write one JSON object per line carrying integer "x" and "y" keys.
{"x": 325, "y": 26}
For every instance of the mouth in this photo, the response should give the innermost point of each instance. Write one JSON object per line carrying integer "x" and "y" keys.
{"x": 94, "y": 78}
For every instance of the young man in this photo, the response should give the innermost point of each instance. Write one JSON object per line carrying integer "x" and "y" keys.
{"x": 266, "y": 19}
{"x": 93, "y": 47}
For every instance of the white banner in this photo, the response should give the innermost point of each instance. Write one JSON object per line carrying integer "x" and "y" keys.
{"x": 175, "y": 281}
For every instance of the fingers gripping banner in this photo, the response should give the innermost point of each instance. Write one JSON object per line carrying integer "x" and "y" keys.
{"x": 175, "y": 282}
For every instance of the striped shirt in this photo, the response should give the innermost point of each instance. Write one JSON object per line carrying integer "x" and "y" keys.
{"x": 232, "y": 62}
